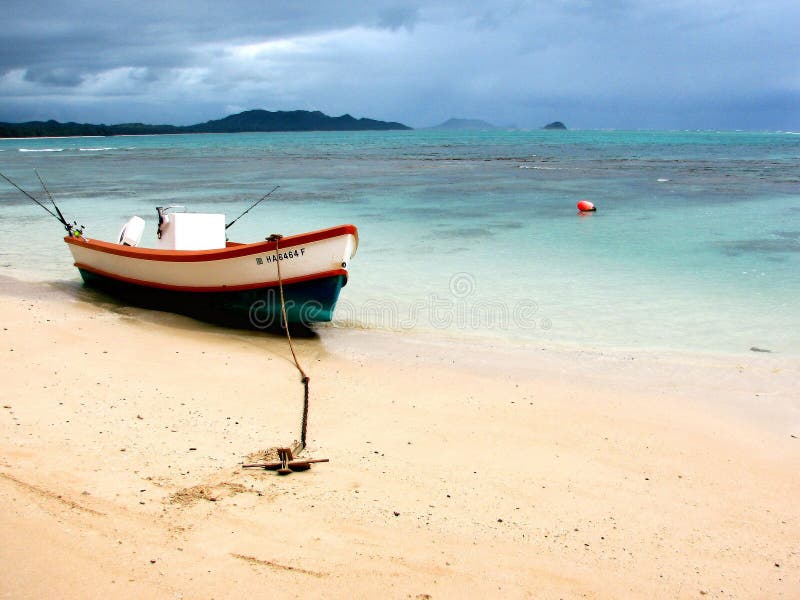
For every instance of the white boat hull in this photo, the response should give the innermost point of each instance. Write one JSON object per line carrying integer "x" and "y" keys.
{"x": 313, "y": 268}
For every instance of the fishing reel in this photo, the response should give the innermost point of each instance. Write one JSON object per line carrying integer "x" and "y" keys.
{"x": 75, "y": 230}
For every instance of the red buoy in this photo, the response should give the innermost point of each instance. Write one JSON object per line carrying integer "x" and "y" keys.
{"x": 586, "y": 206}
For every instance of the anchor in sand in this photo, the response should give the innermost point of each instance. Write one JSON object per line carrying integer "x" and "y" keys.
{"x": 286, "y": 464}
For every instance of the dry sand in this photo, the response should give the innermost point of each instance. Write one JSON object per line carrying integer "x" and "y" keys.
{"x": 457, "y": 470}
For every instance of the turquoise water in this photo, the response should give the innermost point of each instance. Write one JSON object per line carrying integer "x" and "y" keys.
{"x": 695, "y": 244}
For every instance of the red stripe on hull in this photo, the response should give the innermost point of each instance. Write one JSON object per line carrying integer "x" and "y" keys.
{"x": 222, "y": 288}
{"x": 233, "y": 250}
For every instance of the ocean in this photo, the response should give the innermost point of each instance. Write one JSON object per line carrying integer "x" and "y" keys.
{"x": 695, "y": 244}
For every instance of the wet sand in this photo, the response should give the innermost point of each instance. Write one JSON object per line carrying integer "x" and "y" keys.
{"x": 457, "y": 468}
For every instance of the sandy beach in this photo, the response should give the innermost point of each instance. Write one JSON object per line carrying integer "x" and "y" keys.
{"x": 458, "y": 469}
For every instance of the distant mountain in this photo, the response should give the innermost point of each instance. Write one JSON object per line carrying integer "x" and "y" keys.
{"x": 251, "y": 120}
{"x": 464, "y": 124}
{"x": 56, "y": 129}
{"x": 296, "y": 120}
{"x": 555, "y": 125}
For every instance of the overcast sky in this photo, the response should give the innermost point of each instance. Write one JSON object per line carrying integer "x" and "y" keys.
{"x": 627, "y": 64}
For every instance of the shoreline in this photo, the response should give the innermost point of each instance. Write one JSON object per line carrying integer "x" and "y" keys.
{"x": 748, "y": 376}
{"x": 472, "y": 337}
{"x": 639, "y": 371}
{"x": 456, "y": 469}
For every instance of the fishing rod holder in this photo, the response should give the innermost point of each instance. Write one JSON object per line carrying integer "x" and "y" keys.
{"x": 163, "y": 216}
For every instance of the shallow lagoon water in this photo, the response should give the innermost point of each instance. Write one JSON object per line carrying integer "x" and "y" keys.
{"x": 695, "y": 244}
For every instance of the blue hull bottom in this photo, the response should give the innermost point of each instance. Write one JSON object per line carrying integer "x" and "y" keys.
{"x": 307, "y": 302}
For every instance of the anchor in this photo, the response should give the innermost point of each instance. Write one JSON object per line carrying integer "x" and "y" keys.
{"x": 287, "y": 463}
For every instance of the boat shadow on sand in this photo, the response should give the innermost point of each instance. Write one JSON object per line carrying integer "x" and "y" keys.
{"x": 180, "y": 317}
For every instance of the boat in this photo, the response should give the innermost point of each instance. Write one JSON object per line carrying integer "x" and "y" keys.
{"x": 194, "y": 270}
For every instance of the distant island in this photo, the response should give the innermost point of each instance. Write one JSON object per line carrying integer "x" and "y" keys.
{"x": 460, "y": 124}
{"x": 248, "y": 121}
{"x": 456, "y": 124}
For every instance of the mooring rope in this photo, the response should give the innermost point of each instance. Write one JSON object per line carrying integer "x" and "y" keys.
{"x": 276, "y": 237}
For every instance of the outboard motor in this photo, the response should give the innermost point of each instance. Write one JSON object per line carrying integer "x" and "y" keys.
{"x": 131, "y": 232}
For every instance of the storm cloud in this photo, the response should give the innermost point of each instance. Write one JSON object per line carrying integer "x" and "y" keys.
{"x": 620, "y": 63}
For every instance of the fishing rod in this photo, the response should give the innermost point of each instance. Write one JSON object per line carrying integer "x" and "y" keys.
{"x": 49, "y": 195}
{"x": 73, "y": 230}
{"x": 264, "y": 197}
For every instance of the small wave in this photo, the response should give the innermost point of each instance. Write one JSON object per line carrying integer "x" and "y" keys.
{"x": 538, "y": 168}
{"x": 95, "y": 149}
{"x": 662, "y": 180}
{"x": 787, "y": 245}
{"x": 465, "y": 232}
{"x": 41, "y": 149}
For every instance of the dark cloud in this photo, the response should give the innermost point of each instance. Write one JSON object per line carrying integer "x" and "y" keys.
{"x": 59, "y": 77}
{"x": 395, "y": 17}
{"x": 618, "y": 63}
